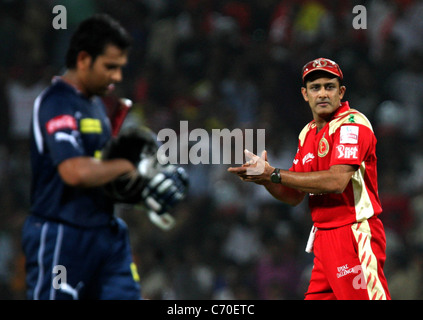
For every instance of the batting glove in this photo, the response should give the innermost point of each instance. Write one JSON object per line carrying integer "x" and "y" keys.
{"x": 163, "y": 192}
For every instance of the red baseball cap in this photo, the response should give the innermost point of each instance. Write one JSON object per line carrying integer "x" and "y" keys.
{"x": 322, "y": 64}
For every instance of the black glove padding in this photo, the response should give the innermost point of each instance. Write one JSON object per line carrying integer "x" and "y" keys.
{"x": 132, "y": 143}
{"x": 158, "y": 187}
{"x": 166, "y": 189}
{"x": 137, "y": 145}
{"x": 126, "y": 188}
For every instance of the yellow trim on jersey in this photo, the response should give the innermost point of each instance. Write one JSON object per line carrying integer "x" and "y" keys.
{"x": 134, "y": 272}
{"x": 90, "y": 125}
{"x": 363, "y": 204}
{"x": 98, "y": 154}
{"x": 350, "y": 116}
{"x": 309, "y": 126}
{"x": 368, "y": 260}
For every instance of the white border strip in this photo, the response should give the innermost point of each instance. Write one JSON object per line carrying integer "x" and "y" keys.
{"x": 40, "y": 261}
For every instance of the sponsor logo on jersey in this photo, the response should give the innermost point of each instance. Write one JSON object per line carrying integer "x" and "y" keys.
{"x": 60, "y": 123}
{"x": 89, "y": 125}
{"x": 349, "y": 134}
{"x": 323, "y": 148}
{"x": 308, "y": 158}
{"x": 63, "y": 136}
{"x": 347, "y": 152}
{"x": 345, "y": 270}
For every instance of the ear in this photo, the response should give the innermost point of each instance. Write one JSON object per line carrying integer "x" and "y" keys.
{"x": 83, "y": 60}
{"x": 342, "y": 90}
{"x": 304, "y": 93}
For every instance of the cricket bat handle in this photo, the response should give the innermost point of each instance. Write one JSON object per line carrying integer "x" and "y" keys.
{"x": 119, "y": 116}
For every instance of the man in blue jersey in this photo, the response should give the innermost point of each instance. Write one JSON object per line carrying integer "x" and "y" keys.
{"x": 75, "y": 247}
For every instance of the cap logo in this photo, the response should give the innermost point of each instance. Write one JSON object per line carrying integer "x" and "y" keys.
{"x": 320, "y": 63}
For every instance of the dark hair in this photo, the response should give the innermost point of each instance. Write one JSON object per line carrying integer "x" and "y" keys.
{"x": 93, "y": 35}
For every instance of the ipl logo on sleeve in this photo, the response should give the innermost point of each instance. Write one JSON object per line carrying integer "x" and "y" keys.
{"x": 347, "y": 152}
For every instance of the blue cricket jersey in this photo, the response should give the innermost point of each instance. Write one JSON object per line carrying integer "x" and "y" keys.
{"x": 67, "y": 124}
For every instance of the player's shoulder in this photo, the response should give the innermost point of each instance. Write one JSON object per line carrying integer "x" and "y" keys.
{"x": 55, "y": 92}
{"x": 55, "y": 98}
{"x": 307, "y": 128}
{"x": 351, "y": 117}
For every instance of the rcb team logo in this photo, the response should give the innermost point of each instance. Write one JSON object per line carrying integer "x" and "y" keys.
{"x": 323, "y": 148}
{"x": 320, "y": 63}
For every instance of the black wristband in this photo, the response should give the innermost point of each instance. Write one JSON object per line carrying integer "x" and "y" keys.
{"x": 275, "y": 177}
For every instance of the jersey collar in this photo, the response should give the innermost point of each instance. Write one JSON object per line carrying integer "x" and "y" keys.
{"x": 60, "y": 79}
{"x": 342, "y": 108}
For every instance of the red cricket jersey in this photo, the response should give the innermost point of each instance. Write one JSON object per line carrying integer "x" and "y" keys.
{"x": 347, "y": 139}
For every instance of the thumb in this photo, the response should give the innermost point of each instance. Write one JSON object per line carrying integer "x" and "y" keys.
{"x": 251, "y": 157}
{"x": 264, "y": 155}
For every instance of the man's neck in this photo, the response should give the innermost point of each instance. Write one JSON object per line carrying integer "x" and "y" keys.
{"x": 71, "y": 78}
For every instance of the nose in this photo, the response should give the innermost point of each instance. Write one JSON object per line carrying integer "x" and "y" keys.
{"x": 322, "y": 94}
{"x": 117, "y": 75}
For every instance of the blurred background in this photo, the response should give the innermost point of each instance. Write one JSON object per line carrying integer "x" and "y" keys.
{"x": 230, "y": 64}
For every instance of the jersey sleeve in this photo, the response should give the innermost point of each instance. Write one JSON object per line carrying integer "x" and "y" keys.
{"x": 59, "y": 130}
{"x": 351, "y": 143}
{"x": 296, "y": 163}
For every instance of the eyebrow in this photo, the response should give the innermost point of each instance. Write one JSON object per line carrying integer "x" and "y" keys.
{"x": 326, "y": 83}
{"x": 113, "y": 65}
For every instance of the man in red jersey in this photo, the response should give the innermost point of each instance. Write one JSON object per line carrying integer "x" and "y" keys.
{"x": 336, "y": 166}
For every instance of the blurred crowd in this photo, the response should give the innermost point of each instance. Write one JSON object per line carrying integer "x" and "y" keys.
{"x": 230, "y": 64}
